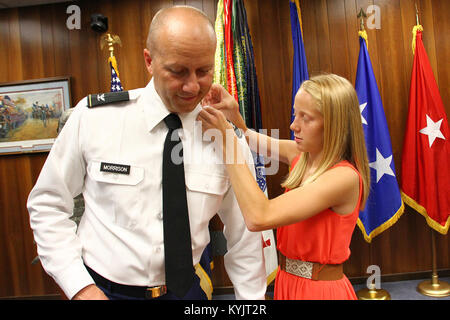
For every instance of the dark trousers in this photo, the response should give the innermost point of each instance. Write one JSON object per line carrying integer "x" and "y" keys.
{"x": 108, "y": 288}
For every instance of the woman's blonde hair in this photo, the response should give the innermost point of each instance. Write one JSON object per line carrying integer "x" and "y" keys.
{"x": 343, "y": 136}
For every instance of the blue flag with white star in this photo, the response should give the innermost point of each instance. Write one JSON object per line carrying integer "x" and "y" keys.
{"x": 384, "y": 205}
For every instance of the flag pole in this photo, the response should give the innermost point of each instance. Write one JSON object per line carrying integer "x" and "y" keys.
{"x": 361, "y": 15}
{"x": 417, "y": 14}
{"x": 434, "y": 287}
{"x": 110, "y": 40}
{"x": 371, "y": 292}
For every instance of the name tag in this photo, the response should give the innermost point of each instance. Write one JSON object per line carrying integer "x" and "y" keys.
{"x": 114, "y": 168}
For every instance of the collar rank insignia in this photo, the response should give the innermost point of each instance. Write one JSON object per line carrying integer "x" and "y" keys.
{"x": 99, "y": 99}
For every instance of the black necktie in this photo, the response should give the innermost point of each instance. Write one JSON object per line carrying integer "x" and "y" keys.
{"x": 177, "y": 236}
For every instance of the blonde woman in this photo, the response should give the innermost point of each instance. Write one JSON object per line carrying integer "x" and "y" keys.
{"x": 327, "y": 186}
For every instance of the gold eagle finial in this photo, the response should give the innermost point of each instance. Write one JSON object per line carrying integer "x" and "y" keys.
{"x": 110, "y": 40}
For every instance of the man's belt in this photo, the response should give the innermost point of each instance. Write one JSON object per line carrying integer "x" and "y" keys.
{"x": 311, "y": 270}
{"x": 129, "y": 291}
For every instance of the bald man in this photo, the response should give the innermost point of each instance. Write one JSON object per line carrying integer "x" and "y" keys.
{"x": 111, "y": 150}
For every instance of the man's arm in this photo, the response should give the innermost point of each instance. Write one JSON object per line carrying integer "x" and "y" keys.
{"x": 50, "y": 205}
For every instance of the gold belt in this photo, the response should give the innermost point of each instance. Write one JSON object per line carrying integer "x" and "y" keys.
{"x": 155, "y": 292}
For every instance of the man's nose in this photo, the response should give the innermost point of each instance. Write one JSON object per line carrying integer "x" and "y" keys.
{"x": 191, "y": 84}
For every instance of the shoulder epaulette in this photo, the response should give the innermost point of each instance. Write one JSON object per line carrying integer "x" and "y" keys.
{"x": 99, "y": 99}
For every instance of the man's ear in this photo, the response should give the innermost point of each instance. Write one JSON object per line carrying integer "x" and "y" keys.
{"x": 148, "y": 61}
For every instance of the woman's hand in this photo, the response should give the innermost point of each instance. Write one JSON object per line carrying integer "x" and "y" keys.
{"x": 220, "y": 99}
{"x": 212, "y": 118}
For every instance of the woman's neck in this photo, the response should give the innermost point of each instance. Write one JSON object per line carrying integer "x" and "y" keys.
{"x": 314, "y": 161}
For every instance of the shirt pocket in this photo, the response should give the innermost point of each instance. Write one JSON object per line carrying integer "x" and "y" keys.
{"x": 120, "y": 192}
{"x": 205, "y": 192}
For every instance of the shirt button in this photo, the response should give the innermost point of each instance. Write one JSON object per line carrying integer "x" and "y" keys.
{"x": 158, "y": 249}
{"x": 160, "y": 215}
{"x": 207, "y": 186}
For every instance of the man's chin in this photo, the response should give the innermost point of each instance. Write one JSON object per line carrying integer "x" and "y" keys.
{"x": 186, "y": 106}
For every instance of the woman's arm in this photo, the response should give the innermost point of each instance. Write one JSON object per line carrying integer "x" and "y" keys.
{"x": 277, "y": 149}
{"x": 336, "y": 188}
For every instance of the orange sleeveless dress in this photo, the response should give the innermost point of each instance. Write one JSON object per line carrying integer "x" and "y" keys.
{"x": 324, "y": 238}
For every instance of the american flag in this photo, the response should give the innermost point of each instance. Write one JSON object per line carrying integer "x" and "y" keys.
{"x": 116, "y": 85}
{"x": 115, "y": 81}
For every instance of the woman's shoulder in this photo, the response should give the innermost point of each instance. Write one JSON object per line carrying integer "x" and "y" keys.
{"x": 344, "y": 170}
{"x": 346, "y": 181}
{"x": 342, "y": 176}
{"x": 346, "y": 166}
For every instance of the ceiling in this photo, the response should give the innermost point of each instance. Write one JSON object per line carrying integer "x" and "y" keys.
{"x": 25, "y": 3}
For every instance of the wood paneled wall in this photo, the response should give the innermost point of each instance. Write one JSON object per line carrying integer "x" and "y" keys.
{"x": 35, "y": 43}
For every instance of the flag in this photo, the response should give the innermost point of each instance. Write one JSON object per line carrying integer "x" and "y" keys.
{"x": 240, "y": 61}
{"x": 384, "y": 205}
{"x": 425, "y": 180}
{"x": 241, "y": 82}
{"x": 116, "y": 85}
{"x": 220, "y": 69}
{"x": 231, "y": 77}
{"x": 299, "y": 66}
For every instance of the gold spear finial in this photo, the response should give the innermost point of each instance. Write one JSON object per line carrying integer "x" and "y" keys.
{"x": 110, "y": 40}
{"x": 361, "y": 15}
{"x": 417, "y": 14}
{"x": 416, "y": 28}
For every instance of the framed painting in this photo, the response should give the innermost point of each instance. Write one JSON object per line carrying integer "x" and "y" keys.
{"x": 29, "y": 113}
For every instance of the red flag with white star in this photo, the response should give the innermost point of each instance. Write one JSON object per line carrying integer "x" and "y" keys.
{"x": 426, "y": 153}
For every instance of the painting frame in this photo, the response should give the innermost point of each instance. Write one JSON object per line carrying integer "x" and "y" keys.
{"x": 30, "y": 112}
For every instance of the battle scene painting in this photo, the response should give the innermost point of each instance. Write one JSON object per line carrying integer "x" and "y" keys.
{"x": 29, "y": 115}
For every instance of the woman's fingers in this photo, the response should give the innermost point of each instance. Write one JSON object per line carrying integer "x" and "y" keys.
{"x": 209, "y": 122}
{"x": 206, "y": 118}
{"x": 213, "y": 96}
{"x": 216, "y": 115}
{"x": 209, "y": 112}
{"x": 214, "y": 123}
{"x": 207, "y": 99}
{"x": 218, "y": 97}
{"x": 212, "y": 117}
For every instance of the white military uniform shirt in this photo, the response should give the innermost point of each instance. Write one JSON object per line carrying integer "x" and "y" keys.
{"x": 120, "y": 235}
